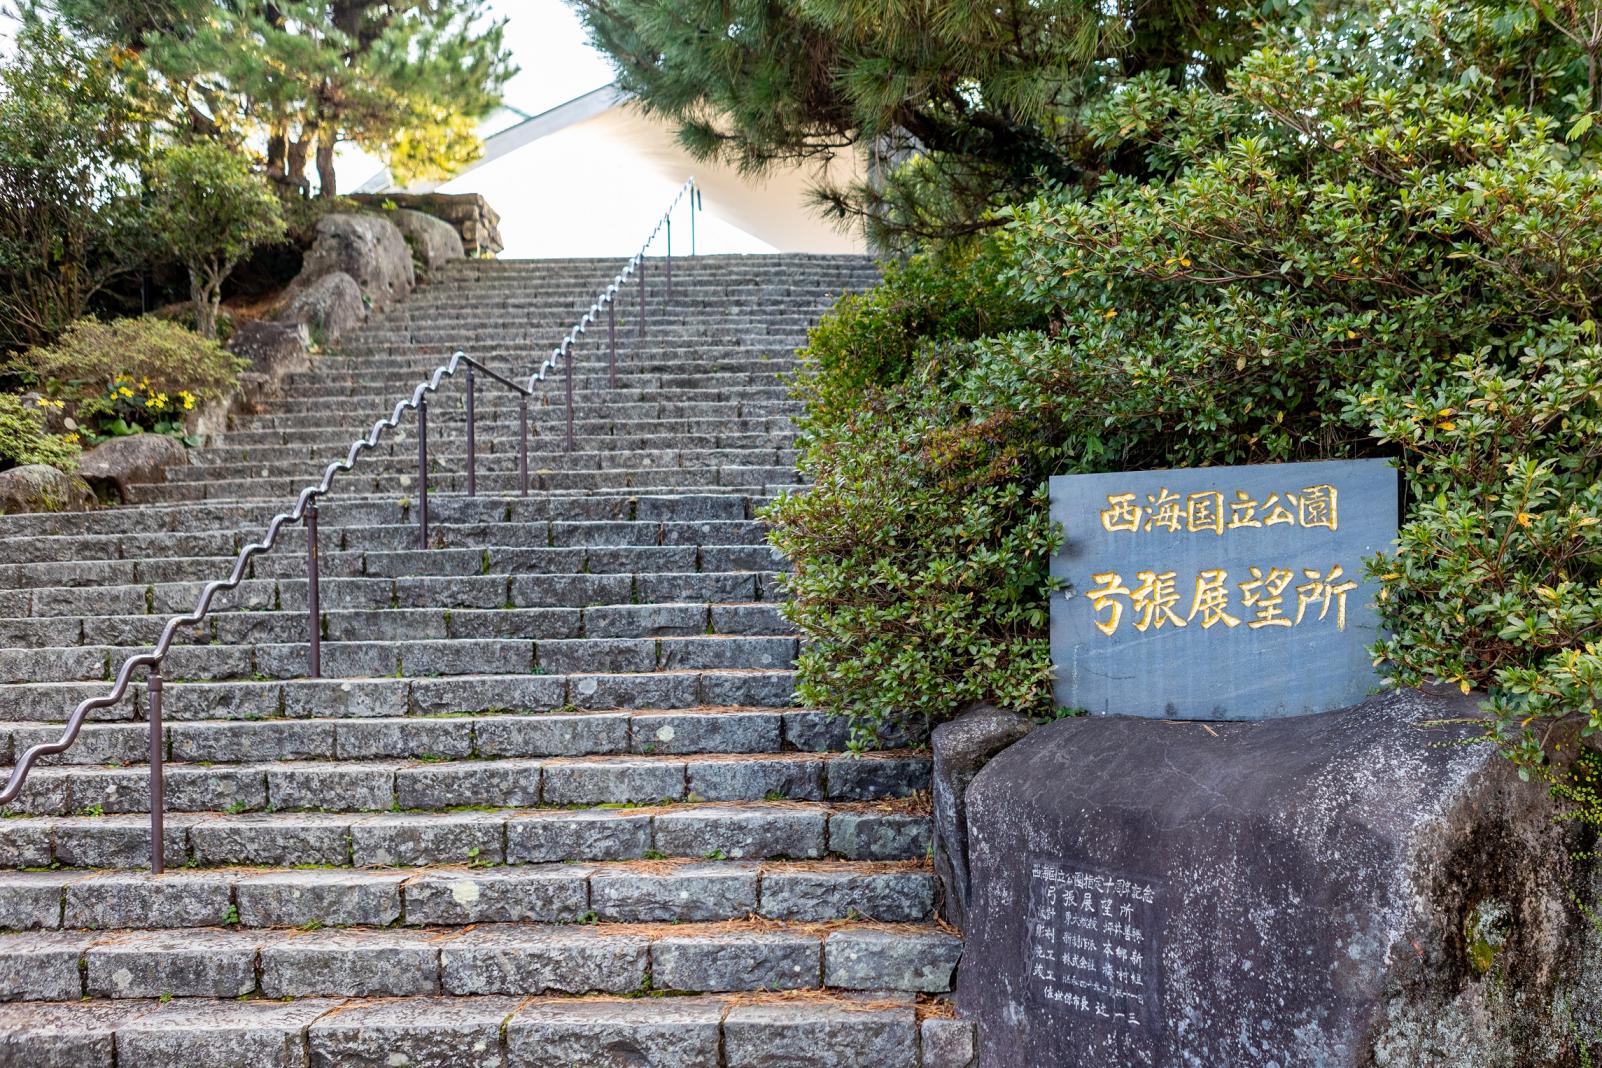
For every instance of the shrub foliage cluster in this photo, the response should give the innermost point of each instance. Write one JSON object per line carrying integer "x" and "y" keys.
{"x": 1385, "y": 238}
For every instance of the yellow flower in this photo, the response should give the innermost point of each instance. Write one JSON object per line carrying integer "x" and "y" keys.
{"x": 1524, "y": 519}
{"x": 1110, "y": 313}
{"x": 188, "y": 398}
{"x": 124, "y": 391}
{"x": 71, "y": 439}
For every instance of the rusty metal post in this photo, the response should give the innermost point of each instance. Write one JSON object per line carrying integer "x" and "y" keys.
{"x": 422, "y": 472}
{"x": 567, "y": 362}
{"x": 642, "y": 296}
{"x": 669, "y": 221}
{"x": 314, "y": 615}
{"x": 472, "y": 440}
{"x": 522, "y": 445}
{"x": 611, "y": 339}
{"x": 158, "y": 783}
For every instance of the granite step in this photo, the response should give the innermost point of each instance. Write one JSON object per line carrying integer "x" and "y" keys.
{"x": 893, "y": 829}
{"x": 837, "y": 1030}
{"x": 710, "y": 889}
{"x": 283, "y": 765}
{"x": 515, "y": 959}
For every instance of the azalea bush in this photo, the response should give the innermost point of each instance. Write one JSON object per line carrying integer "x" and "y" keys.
{"x": 1384, "y": 238}
{"x": 129, "y": 376}
{"x": 26, "y": 439}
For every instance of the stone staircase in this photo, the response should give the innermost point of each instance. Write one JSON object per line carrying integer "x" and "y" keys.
{"x": 551, "y": 803}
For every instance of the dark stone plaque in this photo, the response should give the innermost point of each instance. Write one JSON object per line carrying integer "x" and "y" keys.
{"x": 1221, "y": 592}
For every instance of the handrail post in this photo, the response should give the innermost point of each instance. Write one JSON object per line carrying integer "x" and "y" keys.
{"x": 472, "y": 440}
{"x": 694, "y": 195}
{"x": 314, "y": 615}
{"x": 642, "y": 297}
{"x": 522, "y": 445}
{"x": 567, "y": 360}
{"x": 611, "y": 341}
{"x": 670, "y": 259}
{"x": 158, "y": 791}
{"x": 422, "y": 472}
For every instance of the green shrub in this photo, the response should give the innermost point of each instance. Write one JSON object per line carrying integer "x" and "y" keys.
{"x": 129, "y": 375}
{"x": 210, "y": 209}
{"x": 24, "y": 439}
{"x": 1371, "y": 247}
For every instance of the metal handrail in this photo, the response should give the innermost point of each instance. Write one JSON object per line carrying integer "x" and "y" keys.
{"x": 607, "y": 300}
{"x": 305, "y": 511}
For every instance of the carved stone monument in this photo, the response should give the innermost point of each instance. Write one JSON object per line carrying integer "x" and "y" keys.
{"x": 1240, "y": 858}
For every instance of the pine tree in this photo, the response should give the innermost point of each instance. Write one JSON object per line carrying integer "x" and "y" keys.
{"x": 959, "y": 105}
{"x": 403, "y": 79}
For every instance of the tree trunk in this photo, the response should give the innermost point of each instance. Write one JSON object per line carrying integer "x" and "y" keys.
{"x": 277, "y": 152}
{"x": 205, "y": 298}
{"x": 295, "y": 162}
{"x": 327, "y": 184}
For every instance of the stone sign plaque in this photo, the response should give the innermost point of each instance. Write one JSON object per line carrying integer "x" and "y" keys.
{"x": 1219, "y": 592}
{"x": 1094, "y": 950}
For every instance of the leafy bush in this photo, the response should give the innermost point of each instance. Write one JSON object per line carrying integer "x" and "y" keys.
{"x": 1370, "y": 246}
{"x": 130, "y": 375}
{"x": 71, "y": 136}
{"x": 24, "y": 439}
{"x": 210, "y": 209}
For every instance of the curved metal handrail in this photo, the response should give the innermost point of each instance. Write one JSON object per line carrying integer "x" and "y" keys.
{"x": 608, "y": 295}
{"x": 308, "y": 498}
{"x": 305, "y": 511}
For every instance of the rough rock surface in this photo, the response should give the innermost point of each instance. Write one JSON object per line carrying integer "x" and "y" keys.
{"x": 1353, "y": 888}
{"x": 369, "y": 248}
{"x": 961, "y": 748}
{"x": 434, "y": 241}
{"x": 275, "y": 351}
{"x": 41, "y": 488}
{"x": 114, "y": 466}
{"x": 469, "y": 214}
{"x": 327, "y": 308}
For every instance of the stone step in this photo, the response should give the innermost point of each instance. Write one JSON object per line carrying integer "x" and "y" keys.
{"x": 819, "y": 1029}
{"x": 285, "y": 765}
{"x": 503, "y": 459}
{"x": 693, "y": 731}
{"x": 652, "y": 481}
{"x": 300, "y": 698}
{"x": 515, "y": 959}
{"x": 678, "y": 891}
{"x": 408, "y": 624}
{"x": 486, "y": 512}
{"x": 893, "y": 830}
{"x": 609, "y": 540}
{"x": 427, "y": 657}
{"x": 501, "y": 440}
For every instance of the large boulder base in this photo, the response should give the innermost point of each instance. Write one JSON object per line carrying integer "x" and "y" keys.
{"x": 1357, "y": 888}
{"x": 327, "y": 308}
{"x": 369, "y": 248}
{"x": 434, "y": 241}
{"x": 961, "y": 748}
{"x": 114, "y": 467}
{"x": 41, "y": 488}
